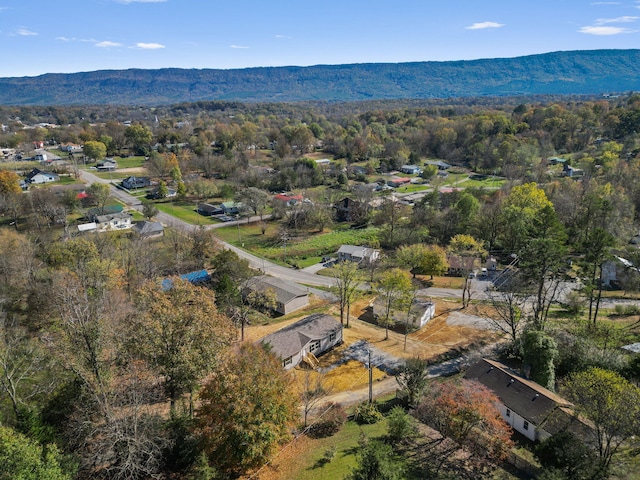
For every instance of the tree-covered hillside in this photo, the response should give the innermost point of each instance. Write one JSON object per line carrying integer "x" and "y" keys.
{"x": 577, "y": 72}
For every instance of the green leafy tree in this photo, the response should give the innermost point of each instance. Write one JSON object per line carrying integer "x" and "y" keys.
{"x": 377, "y": 460}
{"x": 569, "y": 457}
{"x": 24, "y": 459}
{"x": 412, "y": 257}
{"x": 181, "y": 189}
{"x": 94, "y": 150}
{"x": 163, "y": 190}
{"x": 392, "y": 288}
{"x": 612, "y": 403}
{"x": 100, "y": 193}
{"x": 149, "y": 209}
{"x": 519, "y": 210}
{"x": 139, "y": 137}
{"x": 542, "y": 261}
{"x": 539, "y": 353}
{"x": 247, "y": 409}
{"x": 413, "y": 379}
{"x": 180, "y": 333}
{"x": 401, "y": 426}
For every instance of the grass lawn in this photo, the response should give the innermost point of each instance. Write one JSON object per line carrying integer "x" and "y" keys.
{"x": 109, "y": 175}
{"x": 19, "y": 166}
{"x": 489, "y": 182}
{"x": 307, "y": 464}
{"x": 184, "y": 211}
{"x": 412, "y": 188}
{"x": 129, "y": 162}
{"x": 302, "y": 250}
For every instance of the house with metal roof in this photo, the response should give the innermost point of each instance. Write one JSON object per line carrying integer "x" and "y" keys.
{"x": 532, "y": 410}
{"x": 305, "y": 339}
{"x": 289, "y": 297}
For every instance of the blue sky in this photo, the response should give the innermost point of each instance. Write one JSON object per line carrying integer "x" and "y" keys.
{"x": 48, "y": 36}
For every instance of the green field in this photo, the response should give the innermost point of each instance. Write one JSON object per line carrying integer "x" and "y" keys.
{"x": 488, "y": 182}
{"x": 185, "y": 211}
{"x": 303, "y": 250}
{"x": 129, "y": 162}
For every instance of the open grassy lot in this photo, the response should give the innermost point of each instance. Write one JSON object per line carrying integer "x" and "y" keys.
{"x": 303, "y": 249}
{"x": 482, "y": 181}
{"x": 129, "y": 162}
{"x": 184, "y": 210}
{"x": 19, "y": 166}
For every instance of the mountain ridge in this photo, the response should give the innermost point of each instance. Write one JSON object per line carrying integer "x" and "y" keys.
{"x": 566, "y": 72}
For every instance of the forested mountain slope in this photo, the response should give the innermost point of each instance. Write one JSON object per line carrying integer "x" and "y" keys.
{"x": 576, "y": 72}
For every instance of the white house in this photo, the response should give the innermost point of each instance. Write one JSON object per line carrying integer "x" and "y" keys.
{"x": 357, "y": 254}
{"x": 305, "y": 339}
{"x": 114, "y": 221}
{"x": 421, "y": 312}
{"x": 38, "y": 176}
{"x": 411, "y": 169}
{"x": 530, "y": 409}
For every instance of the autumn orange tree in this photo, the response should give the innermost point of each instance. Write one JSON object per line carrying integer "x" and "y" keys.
{"x": 180, "y": 332}
{"x": 247, "y": 409}
{"x": 466, "y": 416}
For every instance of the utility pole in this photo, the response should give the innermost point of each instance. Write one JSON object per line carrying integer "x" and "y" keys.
{"x": 370, "y": 380}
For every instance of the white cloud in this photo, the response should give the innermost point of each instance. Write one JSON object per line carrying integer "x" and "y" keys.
{"x": 74, "y": 39}
{"x": 625, "y": 19}
{"x": 600, "y": 30}
{"x": 25, "y": 32}
{"x": 284, "y": 36}
{"x": 237, "y": 46}
{"x": 108, "y": 44}
{"x": 484, "y": 25}
{"x": 149, "y": 46}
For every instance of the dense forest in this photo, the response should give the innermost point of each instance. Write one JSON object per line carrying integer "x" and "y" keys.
{"x": 104, "y": 374}
{"x": 578, "y": 72}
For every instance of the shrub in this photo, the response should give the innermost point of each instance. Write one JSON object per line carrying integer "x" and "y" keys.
{"x": 367, "y": 413}
{"x": 330, "y": 423}
{"x": 401, "y": 425}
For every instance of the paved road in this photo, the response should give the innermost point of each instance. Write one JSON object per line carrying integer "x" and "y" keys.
{"x": 297, "y": 276}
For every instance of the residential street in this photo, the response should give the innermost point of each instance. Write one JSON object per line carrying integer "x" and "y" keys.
{"x": 297, "y": 276}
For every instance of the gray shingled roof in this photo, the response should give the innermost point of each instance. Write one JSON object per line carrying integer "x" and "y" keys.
{"x": 148, "y": 228}
{"x": 526, "y": 398}
{"x": 290, "y": 340}
{"x": 285, "y": 291}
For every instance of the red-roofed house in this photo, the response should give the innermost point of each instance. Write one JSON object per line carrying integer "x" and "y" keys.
{"x": 288, "y": 199}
